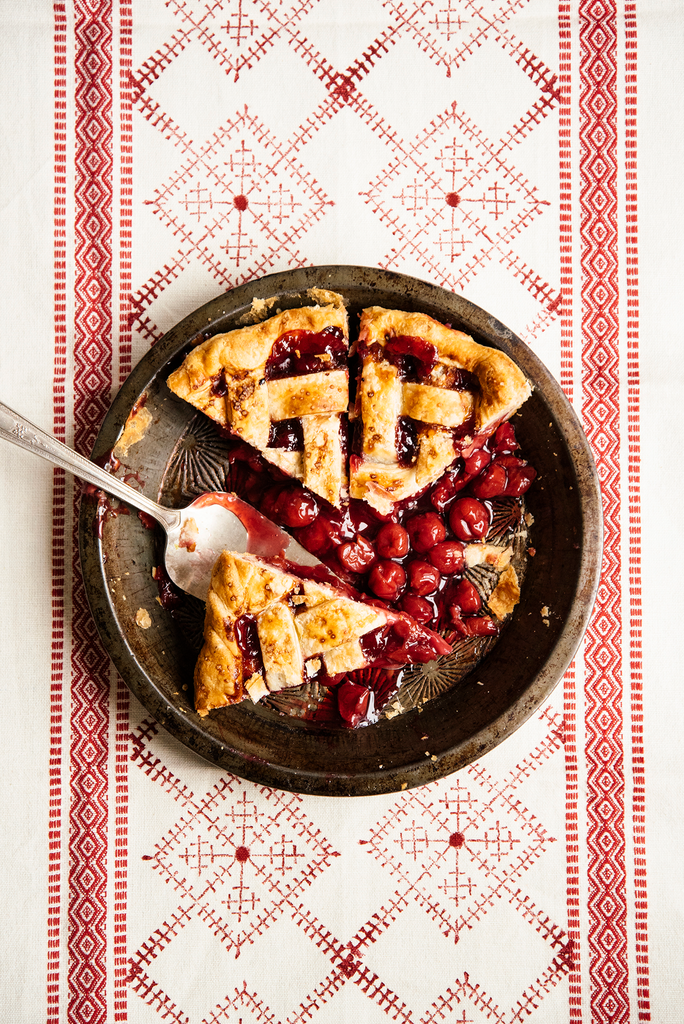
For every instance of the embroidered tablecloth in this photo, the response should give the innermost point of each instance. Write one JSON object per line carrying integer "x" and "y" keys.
{"x": 521, "y": 152}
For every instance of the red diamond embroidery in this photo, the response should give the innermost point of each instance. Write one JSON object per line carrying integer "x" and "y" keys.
{"x": 453, "y": 200}
{"x": 238, "y": 198}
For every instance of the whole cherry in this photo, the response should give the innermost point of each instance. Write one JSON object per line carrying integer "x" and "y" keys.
{"x": 417, "y": 607}
{"x": 520, "y": 480}
{"x": 352, "y": 702}
{"x": 425, "y": 530}
{"x": 447, "y": 557}
{"x": 492, "y": 482}
{"x": 392, "y": 541}
{"x": 356, "y": 556}
{"x": 423, "y": 578}
{"x": 504, "y": 439}
{"x": 295, "y": 507}
{"x": 477, "y": 462}
{"x": 469, "y": 519}
{"x": 386, "y": 579}
{"x": 466, "y": 595}
{"x": 316, "y": 538}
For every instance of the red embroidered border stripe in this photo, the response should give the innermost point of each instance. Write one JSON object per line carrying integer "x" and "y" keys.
{"x": 125, "y": 239}
{"x": 58, "y": 519}
{"x": 122, "y": 694}
{"x": 607, "y": 939}
{"x": 634, "y": 484}
{"x": 92, "y": 386}
{"x": 567, "y": 382}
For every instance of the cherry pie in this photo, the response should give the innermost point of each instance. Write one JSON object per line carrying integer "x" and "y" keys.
{"x": 424, "y": 392}
{"x": 282, "y": 385}
{"x": 434, "y": 497}
{"x": 268, "y": 628}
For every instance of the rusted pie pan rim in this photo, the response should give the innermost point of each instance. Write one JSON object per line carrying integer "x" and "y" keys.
{"x": 461, "y": 725}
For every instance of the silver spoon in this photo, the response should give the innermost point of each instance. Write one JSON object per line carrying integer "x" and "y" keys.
{"x": 195, "y": 536}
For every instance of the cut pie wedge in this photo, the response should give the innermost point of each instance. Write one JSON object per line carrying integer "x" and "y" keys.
{"x": 425, "y": 392}
{"x": 282, "y": 385}
{"x": 268, "y": 628}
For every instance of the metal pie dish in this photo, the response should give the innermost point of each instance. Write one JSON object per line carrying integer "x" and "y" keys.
{"x": 453, "y": 729}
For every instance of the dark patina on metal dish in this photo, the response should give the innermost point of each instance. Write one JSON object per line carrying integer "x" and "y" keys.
{"x": 462, "y": 721}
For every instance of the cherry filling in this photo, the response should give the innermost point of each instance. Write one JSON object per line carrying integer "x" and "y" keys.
{"x": 381, "y": 643}
{"x": 354, "y": 702}
{"x": 300, "y": 352}
{"x": 287, "y": 434}
{"x": 414, "y": 557}
{"x": 462, "y": 380}
{"x": 219, "y": 385}
{"x": 406, "y": 440}
{"x": 247, "y": 639}
{"x": 413, "y": 357}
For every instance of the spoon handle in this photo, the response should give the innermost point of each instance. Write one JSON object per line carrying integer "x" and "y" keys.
{"x": 19, "y": 431}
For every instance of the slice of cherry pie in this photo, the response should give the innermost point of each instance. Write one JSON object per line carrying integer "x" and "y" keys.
{"x": 268, "y": 628}
{"x": 424, "y": 393}
{"x": 282, "y": 385}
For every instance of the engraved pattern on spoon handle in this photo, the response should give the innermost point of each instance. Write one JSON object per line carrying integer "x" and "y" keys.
{"x": 26, "y": 435}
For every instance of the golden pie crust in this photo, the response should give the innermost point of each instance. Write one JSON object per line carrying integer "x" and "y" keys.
{"x": 251, "y": 402}
{"x": 506, "y": 594}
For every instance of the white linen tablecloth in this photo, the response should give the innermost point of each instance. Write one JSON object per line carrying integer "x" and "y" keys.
{"x": 525, "y": 154}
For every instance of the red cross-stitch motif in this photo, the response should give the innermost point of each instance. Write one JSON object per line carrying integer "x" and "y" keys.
{"x": 237, "y": 198}
{"x": 236, "y": 864}
{"x": 458, "y": 851}
{"x": 450, "y": 30}
{"x": 453, "y": 200}
{"x": 237, "y": 33}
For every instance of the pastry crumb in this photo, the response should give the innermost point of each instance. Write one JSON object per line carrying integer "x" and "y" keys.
{"x": 489, "y": 554}
{"x": 506, "y": 593}
{"x": 188, "y": 535}
{"x": 135, "y": 429}
{"x": 142, "y": 618}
